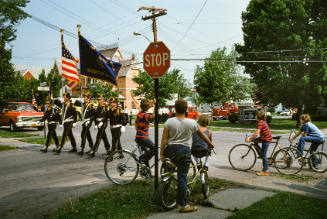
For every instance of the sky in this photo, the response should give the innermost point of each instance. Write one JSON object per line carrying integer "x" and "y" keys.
{"x": 191, "y": 29}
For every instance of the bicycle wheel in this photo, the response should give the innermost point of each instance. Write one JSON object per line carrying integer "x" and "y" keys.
{"x": 205, "y": 184}
{"x": 242, "y": 157}
{"x": 286, "y": 162}
{"x": 121, "y": 167}
{"x": 321, "y": 165}
{"x": 167, "y": 193}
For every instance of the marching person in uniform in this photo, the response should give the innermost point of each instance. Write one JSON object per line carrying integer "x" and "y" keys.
{"x": 101, "y": 119}
{"x": 52, "y": 117}
{"x": 69, "y": 118}
{"x": 116, "y": 119}
{"x": 88, "y": 111}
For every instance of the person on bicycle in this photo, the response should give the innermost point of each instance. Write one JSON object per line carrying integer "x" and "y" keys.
{"x": 199, "y": 147}
{"x": 175, "y": 144}
{"x": 142, "y": 125}
{"x": 310, "y": 133}
{"x": 265, "y": 138}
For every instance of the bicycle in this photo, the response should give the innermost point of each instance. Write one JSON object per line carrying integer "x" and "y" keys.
{"x": 169, "y": 183}
{"x": 317, "y": 160}
{"x": 122, "y": 166}
{"x": 244, "y": 156}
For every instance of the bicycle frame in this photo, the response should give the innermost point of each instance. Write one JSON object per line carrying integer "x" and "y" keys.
{"x": 255, "y": 144}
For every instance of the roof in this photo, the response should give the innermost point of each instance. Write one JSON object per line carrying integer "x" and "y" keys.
{"x": 113, "y": 54}
{"x": 34, "y": 70}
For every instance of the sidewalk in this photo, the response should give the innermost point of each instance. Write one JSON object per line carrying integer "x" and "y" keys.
{"x": 224, "y": 203}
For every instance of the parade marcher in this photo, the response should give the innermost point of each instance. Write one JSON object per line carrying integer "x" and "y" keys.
{"x": 69, "y": 118}
{"x": 88, "y": 111}
{"x": 101, "y": 119}
{"x": 116, "y": 121}
{"x": 52, "y": 117}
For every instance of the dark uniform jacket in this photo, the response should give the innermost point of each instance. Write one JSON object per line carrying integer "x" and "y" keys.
{"x": 51, "y": 115}
{"x": 101, "y": 113}
{"x": 88, "y": 112}
{"x": 116, "y": 116}
{"x": 69, "y": 113}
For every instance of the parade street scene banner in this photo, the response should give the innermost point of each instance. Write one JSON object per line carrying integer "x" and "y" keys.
{"x": 95, "y": 65}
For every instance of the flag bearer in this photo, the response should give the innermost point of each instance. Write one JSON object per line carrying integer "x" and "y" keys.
{"x": 116, "y": 119}
{"x": 101, "y": 118}
{"x": 88, "y": 112}
{"x": 69, "y": 118}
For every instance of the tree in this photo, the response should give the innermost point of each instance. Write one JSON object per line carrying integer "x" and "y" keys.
{"x": 54, "y": 82}
{"x": 288, "y": 30}
{"x": 10, "y": 15}
{"x": 220, "y": 80}
{"x": 103, "y": 88}
{"x": 171, "y": 83}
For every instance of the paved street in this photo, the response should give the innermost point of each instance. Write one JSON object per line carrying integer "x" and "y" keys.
{"x": 32, "y": 183}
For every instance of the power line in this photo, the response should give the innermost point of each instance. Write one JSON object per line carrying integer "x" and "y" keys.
{"x": 189, "y": 28}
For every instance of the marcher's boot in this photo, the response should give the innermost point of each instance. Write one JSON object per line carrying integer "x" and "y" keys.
{"x": 44, "y": 149}
{"x": 73, "y": 150}
{"x": 58, "y": 150}
{"x": 81, "y": 152}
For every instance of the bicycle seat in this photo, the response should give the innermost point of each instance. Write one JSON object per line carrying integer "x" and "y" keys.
{"x": 277, "y": 137}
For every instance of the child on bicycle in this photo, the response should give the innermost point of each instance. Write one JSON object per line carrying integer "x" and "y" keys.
{"x": 199, "y": 147}
{"x": 310, "y": 133}
{"x": 265, "y": 138}
{"x": 142, "y": 125}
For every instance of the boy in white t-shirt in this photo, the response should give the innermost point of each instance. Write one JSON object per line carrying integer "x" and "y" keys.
{"x": 175, "y": 144}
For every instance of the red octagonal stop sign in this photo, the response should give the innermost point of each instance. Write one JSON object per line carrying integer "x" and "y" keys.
{"x": 156, "y": 59}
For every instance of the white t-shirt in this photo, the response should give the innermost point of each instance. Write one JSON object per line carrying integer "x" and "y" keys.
{"x": 180, "y": 131}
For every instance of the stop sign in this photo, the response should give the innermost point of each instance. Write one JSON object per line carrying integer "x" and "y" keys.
{"x": 156, "y": 59}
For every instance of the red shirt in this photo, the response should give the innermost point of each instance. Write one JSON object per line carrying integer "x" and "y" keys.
{"x": 265, "y": 134}
{"x": 143, "y": 124}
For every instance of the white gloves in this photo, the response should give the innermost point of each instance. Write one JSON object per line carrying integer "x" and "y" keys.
{"x": 60, "y": 126}
{"x": 100, "y": 124}
{"x": 123, "y": 129}
{"x": 74, "y": 125}
{"x": 87, "y": 123}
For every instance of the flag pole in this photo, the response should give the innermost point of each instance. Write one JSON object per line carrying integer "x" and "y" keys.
{"x": 62, "y": 83}
{"x": 80, "y": 84}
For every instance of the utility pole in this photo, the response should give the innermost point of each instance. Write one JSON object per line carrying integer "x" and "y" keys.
{"x": 156, "y": 12}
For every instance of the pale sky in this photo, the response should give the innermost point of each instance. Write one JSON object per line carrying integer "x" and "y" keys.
{"x": 187, "y": 31}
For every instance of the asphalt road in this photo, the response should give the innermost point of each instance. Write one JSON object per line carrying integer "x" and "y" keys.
{"x": 34, "y": 183}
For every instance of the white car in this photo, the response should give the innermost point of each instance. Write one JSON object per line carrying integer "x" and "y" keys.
{"x": 285, "y": 113}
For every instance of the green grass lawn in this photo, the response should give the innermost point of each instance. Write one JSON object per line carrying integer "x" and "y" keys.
{"x": 137, "y": 200}
{"x": 285, "y": 205}
{"x": 277, "y": 124}
{"x": 17, "y": 134}
{"x": 7, "y": 148}
{"x": 40, "y": 140}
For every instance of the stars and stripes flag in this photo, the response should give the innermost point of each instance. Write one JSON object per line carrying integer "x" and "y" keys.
{"x": 69, "y": 70}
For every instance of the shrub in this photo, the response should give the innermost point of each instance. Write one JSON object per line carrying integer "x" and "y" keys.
{"x": 232, "y": 117}
{"x": 320, "y": 117}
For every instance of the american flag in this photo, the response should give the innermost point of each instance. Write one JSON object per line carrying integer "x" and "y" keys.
{"x": 69, "y": 70}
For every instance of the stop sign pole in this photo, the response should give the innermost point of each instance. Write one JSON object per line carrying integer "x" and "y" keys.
{"x": 160, "y": 12}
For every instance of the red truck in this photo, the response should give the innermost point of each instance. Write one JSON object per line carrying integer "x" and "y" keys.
{"x": 192, "y": 112}
{"x": 221, "y": 112}
{"x": 19, "y": 115}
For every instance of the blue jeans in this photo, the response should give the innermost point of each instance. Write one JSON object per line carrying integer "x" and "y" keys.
{"x": 315, "y": 142}
{"x": 181, "y": 157}
{"x": 265, "y": 146}
{"x": 148, "y": 144}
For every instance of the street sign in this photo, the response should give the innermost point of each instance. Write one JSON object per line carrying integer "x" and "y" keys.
{"x": 156, "y": 59}
{"x": 43, "y": 88}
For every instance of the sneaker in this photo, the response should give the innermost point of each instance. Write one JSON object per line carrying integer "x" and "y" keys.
{"x": 187, "y": 209}
{"x": 262, "y": 174}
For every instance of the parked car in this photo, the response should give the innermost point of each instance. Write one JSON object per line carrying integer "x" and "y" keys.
{"x": 19, "y": 115}
{"x": 285, "y": 113}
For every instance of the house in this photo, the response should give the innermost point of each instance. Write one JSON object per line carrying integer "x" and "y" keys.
{"x": 125, "y": 82}
{"x": 29, "y": 72}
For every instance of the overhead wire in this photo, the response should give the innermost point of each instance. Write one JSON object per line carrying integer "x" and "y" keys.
{"x": 189, "y": 28}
